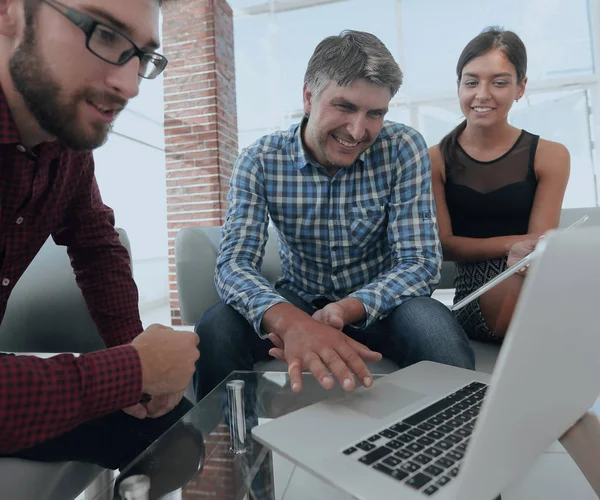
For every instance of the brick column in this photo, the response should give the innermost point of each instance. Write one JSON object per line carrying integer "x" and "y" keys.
{"x": 200, "y": 118}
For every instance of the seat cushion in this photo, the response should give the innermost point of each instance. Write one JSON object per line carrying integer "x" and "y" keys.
{"x": 29, "y": 480}
{"x": 485, "y": 355}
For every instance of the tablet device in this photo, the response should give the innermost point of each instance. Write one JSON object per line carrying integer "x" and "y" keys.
{"x": 507, "y": 273}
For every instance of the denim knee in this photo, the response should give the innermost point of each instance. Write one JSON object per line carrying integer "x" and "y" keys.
{"x": 222, "y": 324}
{"x": 224, "y": 335}
{"x": 428, "y": 330}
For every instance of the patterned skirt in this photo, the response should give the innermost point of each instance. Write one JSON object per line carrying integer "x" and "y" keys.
{"x": 469, "y": 277}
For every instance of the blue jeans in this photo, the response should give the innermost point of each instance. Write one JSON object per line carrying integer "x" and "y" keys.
{"x": 419, "y": 329}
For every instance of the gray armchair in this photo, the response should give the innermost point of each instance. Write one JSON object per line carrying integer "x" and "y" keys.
{"x": 46, "y": 313}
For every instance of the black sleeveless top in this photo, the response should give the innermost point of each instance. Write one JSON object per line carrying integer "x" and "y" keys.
{"x": 493, "y": 198}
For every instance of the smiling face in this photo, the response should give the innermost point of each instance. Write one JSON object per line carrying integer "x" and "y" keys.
{"x": 72, "y": 94}
{"x": 343, "y": 122}
{"x": 487, "y": 89}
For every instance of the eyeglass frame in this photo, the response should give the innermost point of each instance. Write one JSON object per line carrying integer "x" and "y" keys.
{"x": 88, "y": 25}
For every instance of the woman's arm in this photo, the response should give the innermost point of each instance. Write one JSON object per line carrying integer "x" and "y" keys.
{"x": 552, "y": 166}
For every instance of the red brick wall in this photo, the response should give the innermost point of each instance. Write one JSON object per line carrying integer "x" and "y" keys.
{"x": 217, "y": 480}
{"x": 200, "y": 118}
{"x": 225, "y": 476}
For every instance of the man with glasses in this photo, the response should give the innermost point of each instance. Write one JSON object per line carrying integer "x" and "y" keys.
{"x": 66, "y": 71}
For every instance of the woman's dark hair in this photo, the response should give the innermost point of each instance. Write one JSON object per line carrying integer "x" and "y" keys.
{"x": 491, "y": 38}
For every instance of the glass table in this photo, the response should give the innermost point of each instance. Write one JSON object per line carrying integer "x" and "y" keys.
{"x": 207, "y": 467}
{"x": 194, "y": 459}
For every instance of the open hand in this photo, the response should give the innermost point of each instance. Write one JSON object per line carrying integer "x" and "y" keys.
{"x": 320, "y": 348}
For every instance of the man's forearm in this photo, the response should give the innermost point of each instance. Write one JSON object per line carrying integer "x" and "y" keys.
{"x": 283, "y": 318}
{"x": 43, "y": 398}
{"x": 354, "y": 310}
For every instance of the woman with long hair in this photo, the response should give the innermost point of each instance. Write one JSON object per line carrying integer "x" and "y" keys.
{"x": 494, "y": 184}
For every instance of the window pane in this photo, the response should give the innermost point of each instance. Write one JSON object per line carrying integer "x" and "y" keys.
{"x": 435, "y": 121}
{"x": 570, "y": 126}
{"x": 254, "y": 79}
{"x": 432, "y": 47}
{"x": 399, "y": 114}
{"x": 556, "y": 34}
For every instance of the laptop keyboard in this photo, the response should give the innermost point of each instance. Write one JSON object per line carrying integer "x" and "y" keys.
{"x": 425, "y": 450}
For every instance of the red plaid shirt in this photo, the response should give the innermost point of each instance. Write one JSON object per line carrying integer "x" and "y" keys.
{"x": 51, "y": 190}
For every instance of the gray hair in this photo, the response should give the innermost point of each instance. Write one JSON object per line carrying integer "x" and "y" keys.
{"x": 349, "y": 56}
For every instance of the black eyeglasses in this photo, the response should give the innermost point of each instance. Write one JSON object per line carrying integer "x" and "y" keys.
{"x": 109, "y": 45}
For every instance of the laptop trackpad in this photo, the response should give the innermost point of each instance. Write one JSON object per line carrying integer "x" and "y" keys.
{"x": 382, "y": 400}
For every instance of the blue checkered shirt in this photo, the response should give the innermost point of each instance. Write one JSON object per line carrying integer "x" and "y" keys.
{"x": 368, "y": 232}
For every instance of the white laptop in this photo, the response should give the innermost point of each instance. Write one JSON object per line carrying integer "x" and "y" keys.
{"x": 407, "y": 436}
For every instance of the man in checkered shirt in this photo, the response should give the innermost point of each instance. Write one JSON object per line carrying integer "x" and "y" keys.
{"x": 67, "y": 68}
{"x": 349, "y": 196}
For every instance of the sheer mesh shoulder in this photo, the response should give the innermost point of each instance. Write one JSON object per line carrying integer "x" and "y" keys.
{"x": 494, "y": 198}
{"x": 484, "y": 177}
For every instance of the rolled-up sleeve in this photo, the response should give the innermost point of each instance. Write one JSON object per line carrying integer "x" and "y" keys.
{"x": 44, "y": 398}
{"x": 244, "y": 235}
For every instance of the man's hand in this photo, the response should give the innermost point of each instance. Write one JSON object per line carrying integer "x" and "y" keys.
{"x": 156, "y": 407}
{"x": 168, "y": 361}
{"x": 331, "y": 315}
{"x": 317, "y": 347}
{"x": 161, "y": 405}
{"x": 519, "y": 251}
{"x": 137, "y": 411}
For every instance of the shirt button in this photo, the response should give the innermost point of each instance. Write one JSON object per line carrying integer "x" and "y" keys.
{"x": 21, "y": 148}
{"x": 5, "y": 282}
{"x": 19, "y": 220}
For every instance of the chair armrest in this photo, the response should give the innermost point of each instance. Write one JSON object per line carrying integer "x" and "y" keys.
{"x": 195, "y": 261}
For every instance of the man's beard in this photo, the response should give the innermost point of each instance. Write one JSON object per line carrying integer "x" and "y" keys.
{"x": 44, "y": 97}
{"x": 320, "y": 139}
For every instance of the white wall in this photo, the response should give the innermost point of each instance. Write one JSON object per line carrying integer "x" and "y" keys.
{"x": 130, "y": 170}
